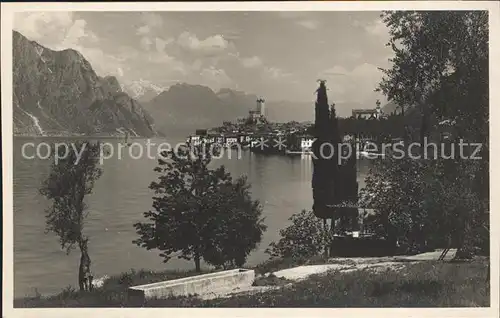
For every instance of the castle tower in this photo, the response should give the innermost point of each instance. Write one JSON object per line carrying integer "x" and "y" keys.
{"x": 378, "y": 109}
{"x": 261, "y": 106}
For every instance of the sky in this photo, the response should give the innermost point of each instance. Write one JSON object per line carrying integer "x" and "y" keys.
{"x": 276, "y": 55}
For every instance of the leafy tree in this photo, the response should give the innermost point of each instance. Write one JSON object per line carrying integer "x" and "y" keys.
{"x": 70, "y": 180}
{"x": 440, "y": 69}
{"x": 395, "y": 189}
{"x": 306, "y": 237}
{"x": 200, "y": 213}
{"x": 440, "y": 66}
{"x": 239, "y": 227}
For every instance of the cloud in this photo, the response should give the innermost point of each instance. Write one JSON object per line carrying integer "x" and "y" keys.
{"x": 57, "y": 29}
{"x": 357, "y": 84}
{"x": 161, "y": 44}
{"x": 61, "y": 30}
{"x": 373, "y": 27}
{"x": 36, "y": 25}
{"x": 146, "y": 43}
{"x": 336, "y": 70}
{"x": 308, "y": 24}
{"x": 161, "y": 57}
{"x": 377, "y": 28}
{"x": 251, "y": 62}
{"x": 76, "y": 33}
{"x": 197, "y": 64}
{"x": 231, "y": 35}
{"x": 150, "y": 22}
{"x": 215, "y": 78}
{"x": 258, "y": 67}
{"x": 291, "y": 14}
{"x": 120, "y": 71}
{"x": 145, "y": 29}
{"x": 212, "y": 44}
{"x": 301, "y": 19}
{"x": 254, "y": 66}
{"x": 151, "y": 19}
{"x": 276, "y": 73}
{"x": 356, "y": 22}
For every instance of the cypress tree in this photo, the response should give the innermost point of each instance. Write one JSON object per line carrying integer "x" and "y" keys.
{"x": 334, "y": 184}
{"x": 324, "y": 159}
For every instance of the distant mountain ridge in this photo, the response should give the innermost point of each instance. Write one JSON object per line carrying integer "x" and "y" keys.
{"x": 142, "y": 90}
{"x": 189, "y": 107}
{"x": 58, "y": 93}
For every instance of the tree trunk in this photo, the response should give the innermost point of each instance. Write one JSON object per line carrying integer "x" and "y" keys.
{"x": 463, "y": 239}
{"x": 81, "y": 280}
{"x": 197, "y": 261}
{"x": 84, "y": 273}
{"x": 423, "y": 127}
{"x": 327, "y": 242}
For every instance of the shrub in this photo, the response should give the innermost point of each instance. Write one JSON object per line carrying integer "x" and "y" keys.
{"x": 304, "y": 238}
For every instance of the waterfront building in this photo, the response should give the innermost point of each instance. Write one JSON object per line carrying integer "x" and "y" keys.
{"x": 201, "y": 132}
{"x": 210, "y": 139}
{"x": 368, "y": 113}
{"x": 300, "y": 142}
{"x": 230, "y": 140}
{"x": 364, "y": 113}
{"x": 195, "y": 140}
{"x": 259, "y": 113}
{"x": 255, "y": 139}
{"x": 219, "y": 139}
{"x": 254, "y": 114}
{"x": 306, "y": 143}
{"x": 243, "y": 138}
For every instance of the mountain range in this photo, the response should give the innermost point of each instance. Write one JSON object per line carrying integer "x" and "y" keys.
{"x": 186, "y": 106}
{"x": 58, "y": 93}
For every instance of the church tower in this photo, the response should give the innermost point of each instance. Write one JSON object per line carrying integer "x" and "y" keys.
{"x": 261, "y": 106}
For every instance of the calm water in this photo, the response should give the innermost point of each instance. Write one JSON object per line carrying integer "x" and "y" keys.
{"x": 282, "y": 184}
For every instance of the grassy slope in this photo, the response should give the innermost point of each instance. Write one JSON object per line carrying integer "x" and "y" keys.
{"x": 426, "y": 284}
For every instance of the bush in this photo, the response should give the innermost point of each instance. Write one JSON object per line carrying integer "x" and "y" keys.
{"x": 427, "y": 204}
{"x": 304, "y": 238}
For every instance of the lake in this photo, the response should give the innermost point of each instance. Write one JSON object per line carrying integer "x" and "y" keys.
{"x": 121, "y": 195}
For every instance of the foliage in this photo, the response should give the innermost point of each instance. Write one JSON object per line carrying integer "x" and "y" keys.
{"x": 384, "y": 129}
{"x": 432, "y": 49}
{"x": 270, "y": 280}
{"x": 304, "y": 238}
{"x": 394, "y": 189}
{"x": 200, "y": 212}
{"x": 441, "y": 68}
{"x": 70, "y": 180}
{"x": 424, "y": 205}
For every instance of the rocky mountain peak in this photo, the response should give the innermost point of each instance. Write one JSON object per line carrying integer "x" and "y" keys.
{"x": 59, "y": 93}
